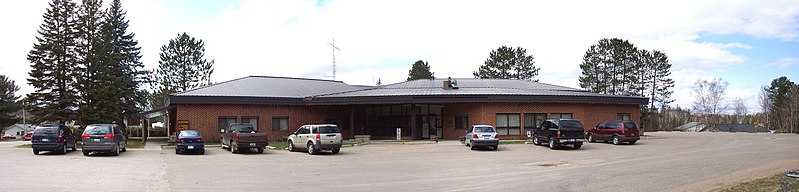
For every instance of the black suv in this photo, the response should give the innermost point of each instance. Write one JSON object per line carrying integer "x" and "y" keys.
{"x": 53, "y": 137}
{"x": 559, "y": 132}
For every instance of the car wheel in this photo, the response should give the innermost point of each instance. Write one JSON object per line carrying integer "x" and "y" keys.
{"x": 223, "y": 145}
{"x": 116, "y": 150}
{"x": 552, "y": 143}
{"x": 35, "y": 152}
{"x": 291, "y": 146}
{"x": 260, "y": 150}
{"x": 336, "y": 150}
{"x": 471, "y": 145}
{"x": 311, "y": 149}
{"x": 535, "y": 140}
{"x": 466, "y": 143}
{"x": 578, "y": 145}
{"x": 75, "y": 147}
{"x": 64, "y": 149}
{"x": 177, "y": 151}
{"x": 496, "y": 147}
{"x": 591, "y": 138}
{"x": 124, "y": 147}
{"x": 632, "y": 142}
{"x": 616, "y": 140}
{"x": 202, "y": 151}
{"x": 86, "y": 153}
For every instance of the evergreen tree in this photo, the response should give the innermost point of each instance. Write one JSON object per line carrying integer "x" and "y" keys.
{"x": 378, "y": 83}
{"x": 661, "y": 82}
{"x": 9, "y": 103}
{"x": 420, "y": 70}
{"x": 98, "y": 79}
{"x": 54, "y": 60}
{"x": 125, "y": 54}
{"x": 182, "y": 67}
{"x": 508, "y": 63}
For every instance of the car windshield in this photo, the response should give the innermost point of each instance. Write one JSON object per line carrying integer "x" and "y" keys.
{"x": 630, "y": 125}
{"x": 242, "y": 128}
{"x": 97, "y": 130}
{"x": 329, "y": 129}
{"x": 571, "y": 125}
{"x": 484, "y": 129}
{"x": 191, "y": 133}
{"x": 46, "y": 130}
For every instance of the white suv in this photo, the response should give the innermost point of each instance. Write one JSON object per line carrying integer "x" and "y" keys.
{"x": 315, "y": 138}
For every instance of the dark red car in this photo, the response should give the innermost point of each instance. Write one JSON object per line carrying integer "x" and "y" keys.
{"x": 616, "y": 131}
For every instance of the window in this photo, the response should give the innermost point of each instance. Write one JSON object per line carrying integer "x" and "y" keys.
{"x": 252, "y": 120}
{"x": 561, "y": 116}
{"x": 462, "y": 122}
{"x": 623, "y": 116}
{"x": 280, "y": 123}
{"x": 533, "y": 120}
{"x": 508, "y": 124}
{"x": 225, "y": 121}
{"x": 303, "y": 130}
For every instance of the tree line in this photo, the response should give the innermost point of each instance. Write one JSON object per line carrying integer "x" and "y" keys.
{"x": 86, "y": 66}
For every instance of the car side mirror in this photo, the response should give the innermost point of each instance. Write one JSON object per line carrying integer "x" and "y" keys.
{"x": 295, "y": 133}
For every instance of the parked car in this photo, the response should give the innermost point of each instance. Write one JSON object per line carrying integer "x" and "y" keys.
{"x": 616, "y": 131}
{"x": 103, "y": 138}
{"x": 559, "y": 132}
{"x": 315, "y": 138}
{"x": 28, "y": 136}
{"x": 482, "y": 136}
{"x": 53, "y": 137}
{"x": 189, "y": 140}
{"x": 240, "y": 136}
{"x": 9, "y": 136}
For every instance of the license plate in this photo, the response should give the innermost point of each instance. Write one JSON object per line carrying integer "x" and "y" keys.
{"x": 96, "y": 140}
{"x": 45, "y": 139}
{"x": 252, "y": 144}
{"x": 191, "y": 147}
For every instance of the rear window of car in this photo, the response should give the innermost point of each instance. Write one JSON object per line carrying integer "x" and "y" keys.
{"x": 613, "y": 125}
{"x": 630, "y": 125}
{"x": 571, "y": 125}
{"x": 484, "y": 129}
{"x": 97, "y": 130}
{"x": 242, "y": 128}
{"x": 46, "y": 130}
{"x": 329, "y": 129}
{"x": 189, "y": 134}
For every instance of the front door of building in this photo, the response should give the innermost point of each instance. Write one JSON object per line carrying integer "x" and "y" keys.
{"x": 431, "y": 126}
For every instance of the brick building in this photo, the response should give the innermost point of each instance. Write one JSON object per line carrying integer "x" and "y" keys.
{"x": 428, "y": 108}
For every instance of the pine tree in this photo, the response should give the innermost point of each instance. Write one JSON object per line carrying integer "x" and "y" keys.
{"x": 125, "y": 54}
{"x": 9, "y": 103}
{"x": 182, "y": 67}
{"x": 661, "y": 82}
{"x": 98, "y": 79}
{"x": 508, "y": 63}
{"x": 54, "y": 62}
{"x": 420, "y": 70}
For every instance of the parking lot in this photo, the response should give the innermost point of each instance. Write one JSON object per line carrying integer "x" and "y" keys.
{"x": 659, "y": 162}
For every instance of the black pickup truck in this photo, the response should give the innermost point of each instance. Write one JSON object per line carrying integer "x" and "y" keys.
{"x": 241, "y": 136}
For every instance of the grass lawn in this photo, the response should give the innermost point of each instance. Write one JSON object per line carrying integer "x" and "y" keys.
{"x": 24, "y": 146}
{"x": 510, "y": 142}
{"x": 279, "y": 145}
{"x": 773, "y": 183}
{"x": 135, "y": 143}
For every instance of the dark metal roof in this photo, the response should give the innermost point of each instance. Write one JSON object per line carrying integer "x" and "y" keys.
{"x": 298, "y": 91}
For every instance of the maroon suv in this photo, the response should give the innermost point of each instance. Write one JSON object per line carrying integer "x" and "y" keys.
{"x": 616, "y": 131}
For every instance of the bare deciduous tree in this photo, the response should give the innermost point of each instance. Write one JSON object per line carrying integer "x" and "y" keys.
{"x": 740, "y": 109}
{"x": 709, "y": 94}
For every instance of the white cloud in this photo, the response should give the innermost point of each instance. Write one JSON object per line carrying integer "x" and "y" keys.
{"x": 787, "y": 62}
{"x": 381, "y": 39}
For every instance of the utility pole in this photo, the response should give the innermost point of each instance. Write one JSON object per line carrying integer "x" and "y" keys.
{"x": 333, "y": 44}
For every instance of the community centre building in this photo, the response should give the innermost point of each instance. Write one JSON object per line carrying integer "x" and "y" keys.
{"x": 422, "y": 109}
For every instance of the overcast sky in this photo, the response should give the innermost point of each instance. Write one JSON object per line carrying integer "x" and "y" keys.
{"x": 747, "y": 43}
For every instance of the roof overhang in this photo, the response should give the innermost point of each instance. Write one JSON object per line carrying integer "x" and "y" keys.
{"x": 406, "y": 100}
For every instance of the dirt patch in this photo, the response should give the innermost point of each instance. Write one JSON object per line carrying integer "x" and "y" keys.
{"x": 741, "y": 176}
{"x": 546, "y": 164}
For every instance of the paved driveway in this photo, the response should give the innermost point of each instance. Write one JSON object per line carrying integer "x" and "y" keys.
{"x": 660, "y": 162}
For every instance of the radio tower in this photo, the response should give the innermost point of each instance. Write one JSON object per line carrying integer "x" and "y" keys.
{"x": 333, "y": 44}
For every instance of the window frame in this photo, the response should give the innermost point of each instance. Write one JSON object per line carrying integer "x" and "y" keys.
{"x": 508, "y": 127}
{"x": 560, "y": 115}
{"x": 465, "y": 122}
{"x": 257, "y": 121}
{"x": 622, "y": 115}
{"x": 279, "y": 119}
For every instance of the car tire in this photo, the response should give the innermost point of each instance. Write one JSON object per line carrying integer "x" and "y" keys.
{"x": 291, "y": 146}
{"x": 616, "y": 140}
{"x": 311, "y": 148}
{"x": 223, "y": 145}
{"x": 35, "y": 152}
{"x": 177, "y": 151}
{"x": 260, "y": 150}
{"x": 591, "y": 138}
{"x": 471, "y": 145}
{"x": 202, "y": 151}
{"x": 552, "y": 143}
{"x": 536, "y": 141}
{"x": 496, "y": 147}
{"x": 75, "y": 147}
{"x": 124, "y": 147}
{"x": 578, "y": 145}
{"x": 233, "y": 148}
{"x": 116, "y": 150}
{"x": 466, "y": 143}
{"x": 336, "y": 150}
{"x": 632, "y": 142}
{"x": 86, "y": 153}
